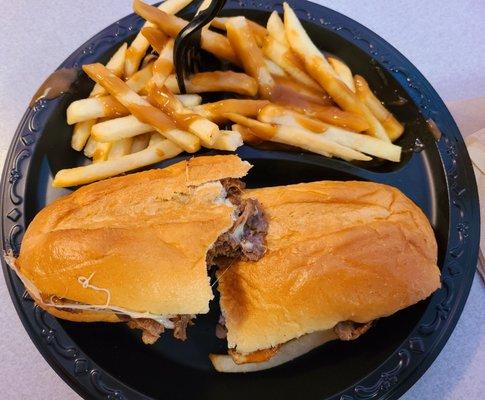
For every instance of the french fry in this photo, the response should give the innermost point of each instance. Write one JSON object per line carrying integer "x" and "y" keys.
{"x": 274, "y": 68}
{"x": 343, "y": 71}
{"x": 148, "y": 59}
{"x": 169, "y": 24}
{"x": 274, "y": 114}
{"x": 141, "y": 108}
{"x": 155, "y": 138}
{"x": 286, "y": 59}
{"x": 393, "y": 127}
{"x": 277, "y": 48}
{"x": 81, "y": 133}
{"x": 109, "y": 107}
{"x": 141, "y": 142}
{"x": 185, "y": 119}
{"x": 363, "y": 143}
{"x": 90, "y": 147}
{"x": 94, "y": 107}
{"x": 123, "y": 123}
{"x": 276, "y": 29}
{"x": 106, "y": 106}
{"x": 189, "y": 100}
{"x": 140, "y": 44}
{"x": 216, "y": 111}
{"x": 250, "y": 55}
{"x": 303, "y": 46}
{"x": 259, "y": 32}
{"x": 216, "y": 81}
{"x": 163, "y": 66}
{"x": 82, "y": 130}
{"x": 247, "y": 134}
{"x": 334, "y": 116}
{"x": 139, "y": 80}
{"x": 119, "y": 128}
{"x": 219, "y": 23}
{"x": 287, "y": 91}
{"x": 319, "y": 68}
{"x": 155, "y": 37}
{"x": 121, "y": 148}
{"x": 105, "y": 169}
{"x": 101, "y": 152}
{"x": 115, "y": 65}
{"x": 227, "y": 141}
{"x": 298, "y": 137}
{"x": 213, "y": 42}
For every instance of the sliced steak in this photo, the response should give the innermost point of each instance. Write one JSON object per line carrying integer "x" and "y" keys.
{"x": 234, "y": 188}
{"x": 246, "y": 239}
{"x": 349, "y": 330}
{"x": 181, "y": 322}
{"x": 151, "y": 330}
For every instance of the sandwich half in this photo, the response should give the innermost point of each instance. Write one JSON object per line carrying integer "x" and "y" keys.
{"x": 136, "y": 248}
{"x": 339, "y": 256}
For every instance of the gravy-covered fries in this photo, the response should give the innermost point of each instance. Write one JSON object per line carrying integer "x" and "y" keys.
{"x": 273, "y": 85}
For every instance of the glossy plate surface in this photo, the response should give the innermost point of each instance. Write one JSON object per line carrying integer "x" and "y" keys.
{"x": 108, "y": 361}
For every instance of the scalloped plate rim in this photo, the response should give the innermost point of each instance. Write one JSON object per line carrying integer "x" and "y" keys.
{"x": 455, "y": 151}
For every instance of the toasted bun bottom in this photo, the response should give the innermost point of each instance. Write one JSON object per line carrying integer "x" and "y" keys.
{"x": 287, "y": 352}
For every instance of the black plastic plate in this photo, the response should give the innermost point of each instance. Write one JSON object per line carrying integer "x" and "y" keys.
{"x": 108, "y": 361}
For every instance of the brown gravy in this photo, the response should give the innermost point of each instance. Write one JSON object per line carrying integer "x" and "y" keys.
{"x": 152, "y": 116}
{"x": 112, "y": 107}
{"x": 288, "y": 92}
{"x": 155, "y": 37}
{"x": 248, "y": 108}
{"x": 59, "y": 82}
{"x": 311, "y": 124}
{"x": 169, "y": 104}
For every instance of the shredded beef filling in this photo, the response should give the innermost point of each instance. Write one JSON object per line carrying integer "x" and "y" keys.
{"x": 349, "y": 330}
{"x": 181, "y": 322}
{"x": 246, "y": 239}
{"x": 234, "y": 188}
{"x": 151, "y": 329}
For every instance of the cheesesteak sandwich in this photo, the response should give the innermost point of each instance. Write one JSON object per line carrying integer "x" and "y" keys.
{"x": 339, "y": 256}
{"x": 136, "y": 248}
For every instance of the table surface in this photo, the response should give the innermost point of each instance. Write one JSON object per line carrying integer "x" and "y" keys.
{"x": 443, "y": 39}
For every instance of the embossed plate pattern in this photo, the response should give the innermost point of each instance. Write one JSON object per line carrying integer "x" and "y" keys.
{"x": 103, "y": 361}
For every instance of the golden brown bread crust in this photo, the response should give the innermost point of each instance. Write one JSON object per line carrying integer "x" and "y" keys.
{"x": 336, "y": 251}
{"x": 138, "y": 240}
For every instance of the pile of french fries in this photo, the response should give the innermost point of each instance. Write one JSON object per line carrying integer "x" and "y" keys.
{"x": 288, "y": 92}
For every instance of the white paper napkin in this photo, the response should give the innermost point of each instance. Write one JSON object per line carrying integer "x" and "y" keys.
{"x": 470, "y": 117}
